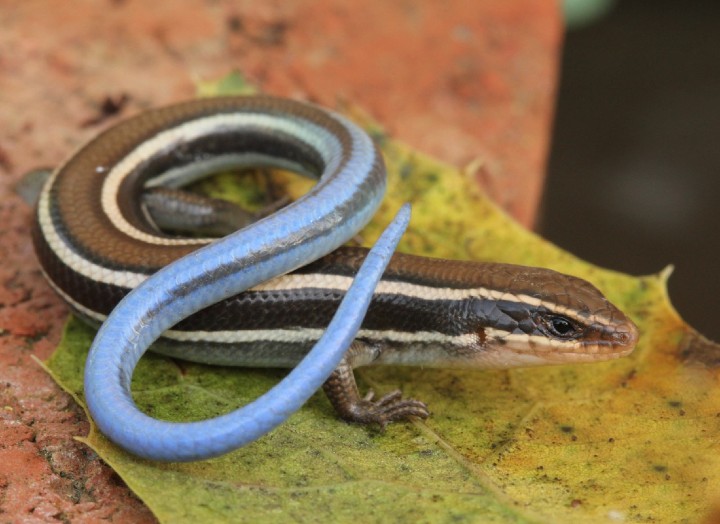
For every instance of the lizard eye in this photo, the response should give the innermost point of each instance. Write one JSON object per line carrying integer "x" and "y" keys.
{"x": 560, "y": 327}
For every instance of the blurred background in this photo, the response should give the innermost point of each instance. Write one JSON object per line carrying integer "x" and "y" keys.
{"x": 634, "y": 175}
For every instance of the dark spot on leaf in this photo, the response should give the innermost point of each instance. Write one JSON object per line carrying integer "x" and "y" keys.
{"x": 406, "y": 169}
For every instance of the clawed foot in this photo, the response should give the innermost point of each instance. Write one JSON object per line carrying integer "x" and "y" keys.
{"x": 389, "y": 408}
{"x": 342, "y": 391}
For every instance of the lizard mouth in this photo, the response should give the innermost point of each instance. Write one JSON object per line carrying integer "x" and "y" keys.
{"x": 597, "y": 343}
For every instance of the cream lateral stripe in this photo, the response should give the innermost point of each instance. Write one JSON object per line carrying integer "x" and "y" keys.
{"x": 302, "y": 335}
{"x": 536, "y": 343}
{"x": 126, "y": 279}
{"x": 518, "y": 342}
{"x": 338, "y": 283}
{"x": 326, "y": 145}
{"x": 88, "y": 269}
{"x": 430, "y": 293}
{"x": 276, "y": 335}
{"x": 89, "y": 313}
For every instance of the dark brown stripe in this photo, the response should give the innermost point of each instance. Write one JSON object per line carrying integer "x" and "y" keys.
{"x": 564, "y": 290}
{"x": 76, "y": 191}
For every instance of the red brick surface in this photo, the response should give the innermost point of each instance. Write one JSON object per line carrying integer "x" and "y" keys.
{"x": 465, "y": 81}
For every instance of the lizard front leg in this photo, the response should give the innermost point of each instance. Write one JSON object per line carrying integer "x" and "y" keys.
{"x": 343, "y": 393}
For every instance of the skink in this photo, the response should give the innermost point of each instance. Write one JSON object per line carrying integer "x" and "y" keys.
{"x": 96, "y": 241}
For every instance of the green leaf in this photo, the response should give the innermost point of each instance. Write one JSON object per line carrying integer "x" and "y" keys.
{"x": 231, "y": 84}
{"x": 628, "y": 440}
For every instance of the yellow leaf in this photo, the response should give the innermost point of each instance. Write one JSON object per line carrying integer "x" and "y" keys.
{"x": 630, "y": 440}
